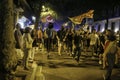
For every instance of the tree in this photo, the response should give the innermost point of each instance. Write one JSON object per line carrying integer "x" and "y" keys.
{"x": 36, "y": 6}
{"x": 8, "y": 59}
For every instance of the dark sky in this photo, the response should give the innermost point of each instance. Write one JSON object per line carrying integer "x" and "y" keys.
{"x": 74, "y": 7}
{"x": 70, "y": 8}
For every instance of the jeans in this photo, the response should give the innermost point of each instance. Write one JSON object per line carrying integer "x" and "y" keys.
{"x": 111, "y": 62}
{"x": 77, "y": 52}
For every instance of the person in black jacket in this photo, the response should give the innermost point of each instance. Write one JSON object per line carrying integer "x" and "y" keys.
{"x": 77, "y": 50}
{"x": 49, "y": 32}
{"x": 19, "y": 41}
{"x": 60, "y": 37}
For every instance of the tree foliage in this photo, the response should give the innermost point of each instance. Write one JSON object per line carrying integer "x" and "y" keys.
{"x": 76, "y": 7}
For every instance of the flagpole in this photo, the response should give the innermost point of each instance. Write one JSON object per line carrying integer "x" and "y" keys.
{"x": 73, "y": 25}
{"x": 86, "y": 22}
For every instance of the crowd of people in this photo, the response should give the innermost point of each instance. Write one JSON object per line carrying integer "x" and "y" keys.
{"x": 72, "y": 42}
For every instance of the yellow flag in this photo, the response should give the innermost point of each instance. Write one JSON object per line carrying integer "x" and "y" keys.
{"x": 89, "y": 14}
{"x": 78, "y": 19}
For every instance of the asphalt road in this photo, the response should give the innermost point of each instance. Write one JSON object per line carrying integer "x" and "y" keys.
{"x": 66, "y": 68}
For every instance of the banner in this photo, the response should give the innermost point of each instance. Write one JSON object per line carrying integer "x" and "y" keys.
{"x": 47, "y": 18}
{"x": 89, "y": 14}
{"x": 78, "y": 19}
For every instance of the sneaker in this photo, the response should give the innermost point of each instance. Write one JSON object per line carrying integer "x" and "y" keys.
{"x": 48, "y": 56}
{"x": 31, "y": 61}
{"x": 100, "y": 62}
{"x": 92, "y": 57}
{"x": 59, "y": 54}
{"x": 26, "y": 68}
{"x": 77, "y": 60}
{"x": 81, "y": 60}
{"x": 72, "y": 53}
{"x": 94, "y": 54}
{"x": 104, "y": 77}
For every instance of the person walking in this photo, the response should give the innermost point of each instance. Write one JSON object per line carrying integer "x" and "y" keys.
{"x": 49, "y": 33}
{"x": 110, "y": 51}
{"x": 94, "y": 42}
{"x": 77, "y": 42}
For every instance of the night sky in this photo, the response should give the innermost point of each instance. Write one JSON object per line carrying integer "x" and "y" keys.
{"x": 71, "y": 8}
{"x": 77, "y": 7}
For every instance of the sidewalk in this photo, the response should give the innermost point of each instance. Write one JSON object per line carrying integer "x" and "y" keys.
{"x": 33, "y": 74}
{"x": 22, "y": 74}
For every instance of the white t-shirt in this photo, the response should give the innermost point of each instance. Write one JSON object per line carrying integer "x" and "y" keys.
{"x": 93, "y": 39}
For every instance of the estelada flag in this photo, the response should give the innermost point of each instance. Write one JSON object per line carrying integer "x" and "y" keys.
{"x": 89, "y": 14}
{"x": 78, "y": 19}
{"x": 43, "y": 19}
{"x": 47, "y": 18}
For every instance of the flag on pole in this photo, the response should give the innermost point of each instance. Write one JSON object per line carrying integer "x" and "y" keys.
{"x": 47, "y": 18}
{"x": 89, "y": 14}
{"x": 78, "y": 19}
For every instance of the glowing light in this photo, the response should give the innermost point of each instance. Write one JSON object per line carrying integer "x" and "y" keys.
{"x": 22, "y": 24}
{"x": 31, "y": 26}
{"x": 66, "y": 24}
{"x": 43, "y": 6}
{"x": 34, "y": 18}
{"x": 102, "y": 30}
{"x": 116, "y": 29}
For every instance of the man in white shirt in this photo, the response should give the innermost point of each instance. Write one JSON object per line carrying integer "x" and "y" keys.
{"x": 94, "y": 41}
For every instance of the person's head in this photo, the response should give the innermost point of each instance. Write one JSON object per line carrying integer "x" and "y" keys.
{"x": 109, "y": 32}
{"x": 94, "y": 30}
{"x": 18, "y": 26}
{"x": 110, "y": 35}
{"x": 27, "y": 30}
{"x": 50, "y": 25}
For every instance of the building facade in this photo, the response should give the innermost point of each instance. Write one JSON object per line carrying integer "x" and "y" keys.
{"x": 101, "y": 26}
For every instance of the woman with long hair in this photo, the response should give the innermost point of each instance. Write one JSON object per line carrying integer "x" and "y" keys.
{"x": 110, "y": 51}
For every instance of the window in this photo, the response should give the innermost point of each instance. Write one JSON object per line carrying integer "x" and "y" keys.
{"x": 113, "y": 26}
{"x": 99, "y": 27}
{"x": 106, "y": 26}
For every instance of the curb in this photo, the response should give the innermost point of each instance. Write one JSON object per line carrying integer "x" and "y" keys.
{"x": 39, "y": 75}
{"x": 32, "y": 75}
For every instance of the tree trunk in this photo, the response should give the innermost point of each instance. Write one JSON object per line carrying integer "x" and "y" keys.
{"x": 8, "y": 58}
{"x": 38, "y": 16}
